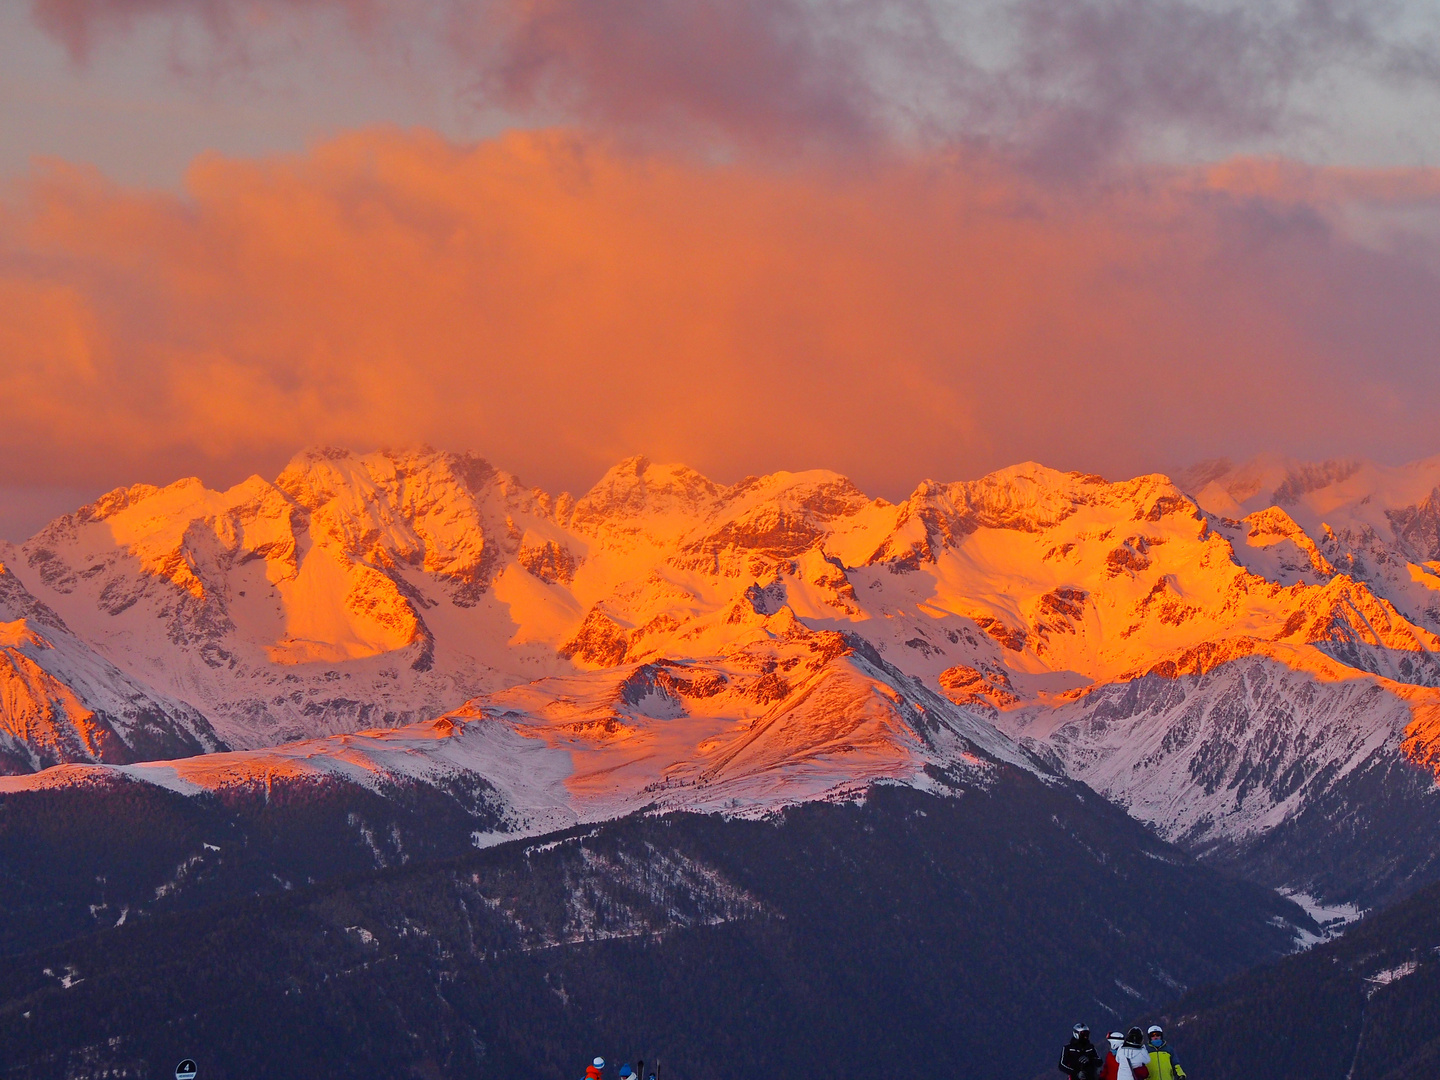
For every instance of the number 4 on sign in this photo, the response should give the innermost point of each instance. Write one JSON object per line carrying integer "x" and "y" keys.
{"x": 185, "y": 1070}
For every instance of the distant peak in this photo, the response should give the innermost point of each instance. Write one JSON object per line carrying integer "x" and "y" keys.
{"x": 640, "y": 467}
{"x": 1202, "y": 473}
{"x": 1304, "y": 479}
{"x": 637, "y": 486}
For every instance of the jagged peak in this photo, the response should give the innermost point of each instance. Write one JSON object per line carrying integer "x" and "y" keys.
{"x": 114, "y": 501}
{"x": 1272, "y": 519}
{"x": 326, "y": 469}
{"x": 1028, "y": 484}
{"x": 1028, "y": 494}
{"x": 1345, "y": 601}
{"x": 1272, "y": 525}
{"x": 634, "y": 465}
{"x": 318, "y": 474}
{"x": 164, "y": 507}
{"x": 1035, "y": 472}
{"x": 315, "y": 455}
{"x": 475, "y": 472}
{"x": 637, "y": 487}
{"x": 639, "y": 469}
{"x": 822, "y": 490}
{"x": 314, "y": 476}
{"x": 1027, "y": 497}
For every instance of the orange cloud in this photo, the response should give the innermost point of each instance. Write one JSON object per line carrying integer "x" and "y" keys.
{"x": 555, "y": 303}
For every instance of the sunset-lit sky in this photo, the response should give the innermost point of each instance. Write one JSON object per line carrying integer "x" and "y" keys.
{"x": 899, "y": 239}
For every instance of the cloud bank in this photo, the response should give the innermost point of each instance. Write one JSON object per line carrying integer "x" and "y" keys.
{"x": 556, "y": 301}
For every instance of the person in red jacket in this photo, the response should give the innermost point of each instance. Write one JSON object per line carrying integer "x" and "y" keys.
{"x": 1112, "y": 1063}
{"x": 593, "y": 1072}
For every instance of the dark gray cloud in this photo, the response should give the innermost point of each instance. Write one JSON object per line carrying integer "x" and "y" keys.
{"x": 1066, "y": 82}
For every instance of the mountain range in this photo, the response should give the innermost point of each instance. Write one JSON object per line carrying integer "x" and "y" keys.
{"x": 1245, "y": 659}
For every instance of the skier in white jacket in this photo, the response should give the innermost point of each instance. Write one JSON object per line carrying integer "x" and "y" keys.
{"x": 1132, "y": 1058}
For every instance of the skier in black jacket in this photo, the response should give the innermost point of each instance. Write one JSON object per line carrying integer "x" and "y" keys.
{"x": 1080, "y": 1060}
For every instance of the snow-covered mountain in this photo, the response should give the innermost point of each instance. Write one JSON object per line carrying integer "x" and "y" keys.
{"x": 1221, "y": 665}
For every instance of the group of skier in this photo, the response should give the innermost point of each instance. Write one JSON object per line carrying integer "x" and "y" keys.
{"x": 596, "y": 1071}
{"x": 1131, "y": 1056}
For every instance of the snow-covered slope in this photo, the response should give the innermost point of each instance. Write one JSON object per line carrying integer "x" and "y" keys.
{"x": 793, "y": 716}
{"x": 1278, "y": 759}
{"x": 1260, "y": 652}
{"x": 1230, "y": 747}
{"x": 60, "y": 702}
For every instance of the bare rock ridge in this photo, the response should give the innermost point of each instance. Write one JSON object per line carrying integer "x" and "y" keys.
{"x": 1228, "y": 657}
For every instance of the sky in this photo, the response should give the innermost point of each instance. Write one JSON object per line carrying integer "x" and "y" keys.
{"x": 902, "y": 239}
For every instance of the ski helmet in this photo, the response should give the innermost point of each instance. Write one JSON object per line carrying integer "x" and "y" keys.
{"x": 1134, "y": 1038}
{"x": 1081, "y": 1031}
{"x": 599, "y": 1063}
{"x": 1154, "y": 1029}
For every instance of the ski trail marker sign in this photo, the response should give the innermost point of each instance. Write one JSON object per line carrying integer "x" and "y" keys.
{"x": 185, "y": 1070}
